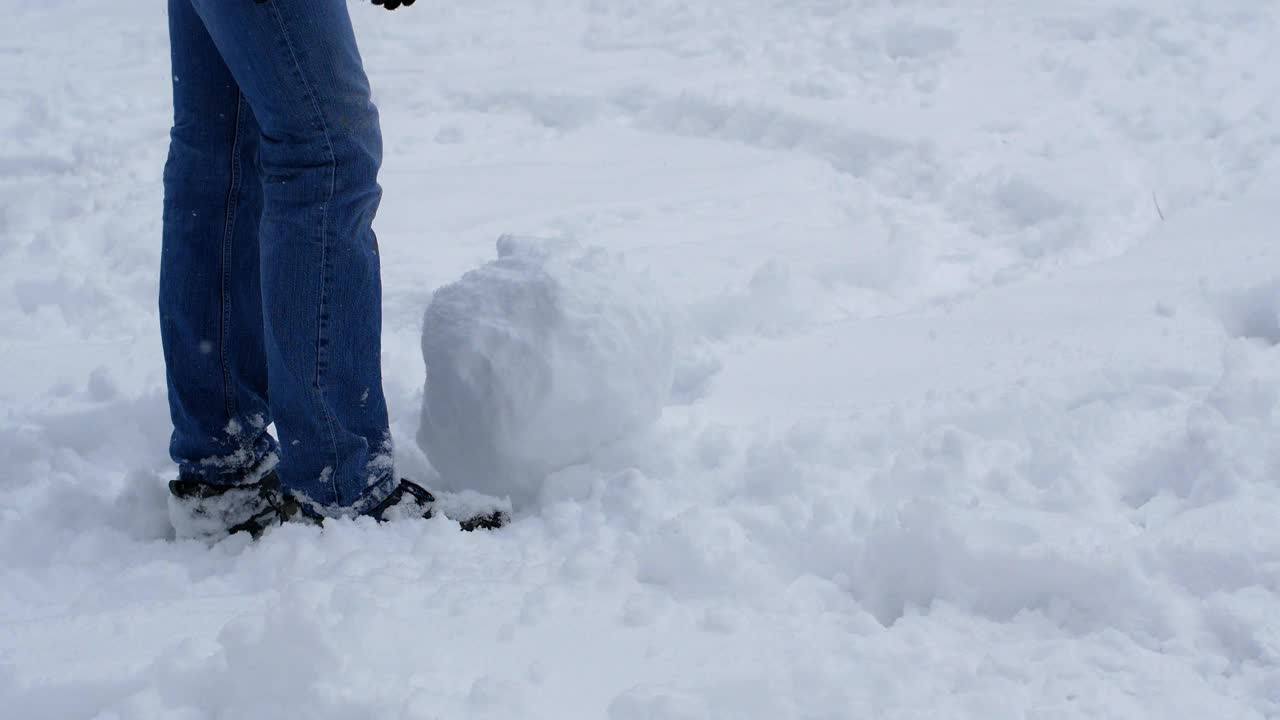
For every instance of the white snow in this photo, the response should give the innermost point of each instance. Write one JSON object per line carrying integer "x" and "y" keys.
{"x": 537, "y": 360}
{"x": 976, "y": 396}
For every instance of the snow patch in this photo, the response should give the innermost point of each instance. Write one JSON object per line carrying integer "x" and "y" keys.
{"x": 1253, "y": 312}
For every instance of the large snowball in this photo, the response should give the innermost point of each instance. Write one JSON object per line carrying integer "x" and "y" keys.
{"x": 536, "y": 360}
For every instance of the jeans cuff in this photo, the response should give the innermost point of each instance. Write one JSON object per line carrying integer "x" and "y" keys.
{"x": 376, "y": 491}
{"x": 232, "y": 471}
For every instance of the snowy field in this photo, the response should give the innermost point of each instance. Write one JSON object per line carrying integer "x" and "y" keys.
{"x": 976, "y": 399}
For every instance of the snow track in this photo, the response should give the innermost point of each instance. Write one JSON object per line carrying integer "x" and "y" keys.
{"x": 961, "y": 427}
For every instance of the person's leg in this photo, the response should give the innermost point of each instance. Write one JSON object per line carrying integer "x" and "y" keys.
{"x": 297, "y": 64}
{"x": 210, "y": 299}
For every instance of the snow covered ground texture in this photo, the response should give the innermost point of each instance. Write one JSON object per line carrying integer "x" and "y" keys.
{"x": 976, "y": 410}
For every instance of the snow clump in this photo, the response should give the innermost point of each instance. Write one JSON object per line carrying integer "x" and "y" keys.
{"x": 536, "y": 360}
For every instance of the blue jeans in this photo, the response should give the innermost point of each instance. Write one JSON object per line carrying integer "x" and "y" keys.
{"x": 270, "y": 293}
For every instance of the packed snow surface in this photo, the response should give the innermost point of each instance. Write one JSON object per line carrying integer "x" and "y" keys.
{"x": 975, "y": 398}
{"x": 537, "y": 360}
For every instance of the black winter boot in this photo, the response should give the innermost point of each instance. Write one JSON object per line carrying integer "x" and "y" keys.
{"x": 199, "y": 509}
{"x": 411, "y": 500}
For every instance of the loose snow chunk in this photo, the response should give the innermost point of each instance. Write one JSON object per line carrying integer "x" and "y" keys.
{"x": 537, "y": 359}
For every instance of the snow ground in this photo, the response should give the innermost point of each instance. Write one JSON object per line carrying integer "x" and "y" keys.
{"x": 961, "y": 427}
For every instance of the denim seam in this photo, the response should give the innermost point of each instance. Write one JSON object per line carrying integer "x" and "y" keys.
{"x": 228, "y": 235}
{"x": 324, "y": 241}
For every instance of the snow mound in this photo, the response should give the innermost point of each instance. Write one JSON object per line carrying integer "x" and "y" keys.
{"x": 537, "y": 359}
